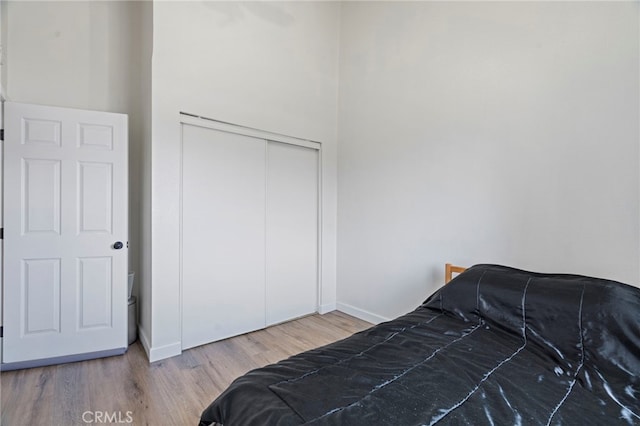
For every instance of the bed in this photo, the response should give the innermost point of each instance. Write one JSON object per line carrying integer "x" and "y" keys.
{"x": 495, "y": 346}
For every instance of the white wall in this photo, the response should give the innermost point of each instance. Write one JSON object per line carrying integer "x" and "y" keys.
{"x": 473, "y": 132}
{"x": 469, "y": 132}
{"x": 88, "y": 55}
{"x": 3, "y": 38}
{"x": 267, "y": 65}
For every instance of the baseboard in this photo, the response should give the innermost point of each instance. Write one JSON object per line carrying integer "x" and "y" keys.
{"x": 326, "y": 308}
{"x": 160, "y": 352}
{"x": 163, "y": 352}
{"x": 361, "y": 313}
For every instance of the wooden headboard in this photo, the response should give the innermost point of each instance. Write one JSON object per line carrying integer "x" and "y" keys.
{"x": 450, "y": 269}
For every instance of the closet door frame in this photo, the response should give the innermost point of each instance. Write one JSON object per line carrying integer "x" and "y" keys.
{"x": 209, "y": 123}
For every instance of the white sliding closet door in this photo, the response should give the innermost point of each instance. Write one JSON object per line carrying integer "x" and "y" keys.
{"x": 292, "y": 231}
{"x": 223, "y": 235}
{"x": 249, "y": 238}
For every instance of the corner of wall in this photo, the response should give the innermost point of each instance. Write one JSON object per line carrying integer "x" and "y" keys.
{"x": 326, "y": 308}
{"x": 144, "y": 340}
{"x": 158, "y": 353}
{"x": 145, "y": 325}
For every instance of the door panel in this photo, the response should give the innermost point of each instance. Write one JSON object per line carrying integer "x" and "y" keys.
{"x": 41, "y": 196}
{"x": 223, "y": 231}
{"x": 65, "y": 189}
{"x": 40, "y": 287}
{"x": 95, "y": 137}
{"x": 292, "y": 232}
{"x": 94, "y": 288}
{"x": 95, "y": 193}
{"x": 41, "y": 132}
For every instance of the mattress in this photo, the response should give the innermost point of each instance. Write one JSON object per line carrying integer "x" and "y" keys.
{"x": 495, "y": 346}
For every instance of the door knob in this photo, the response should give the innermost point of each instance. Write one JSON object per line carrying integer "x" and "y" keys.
{"x": 118, "y": 245}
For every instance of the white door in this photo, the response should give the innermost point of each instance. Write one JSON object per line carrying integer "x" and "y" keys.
{"x": 223, "y": 232}
{"x": 249, "y": 245}
{"x": 65, "y": 232}
{"x": 292, "y": 231}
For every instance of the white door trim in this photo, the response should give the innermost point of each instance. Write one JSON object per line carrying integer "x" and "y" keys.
{"x": 195, "y": 120}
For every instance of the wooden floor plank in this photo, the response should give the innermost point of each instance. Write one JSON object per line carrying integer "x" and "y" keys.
{"x": 169, "y": 392}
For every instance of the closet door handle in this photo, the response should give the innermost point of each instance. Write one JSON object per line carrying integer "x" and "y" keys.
{"x": 118, "y": 245}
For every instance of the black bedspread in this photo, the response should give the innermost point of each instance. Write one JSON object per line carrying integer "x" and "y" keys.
{"x": 496, "y": 346}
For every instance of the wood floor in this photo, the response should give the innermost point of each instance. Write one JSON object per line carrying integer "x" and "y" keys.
{"x": 168, "y": 392}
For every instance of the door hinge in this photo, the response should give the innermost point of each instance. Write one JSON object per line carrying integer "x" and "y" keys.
{"x": 1, "y": 233}
{"x": 1, "y": 134}
{"x": 1, "y": 331}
